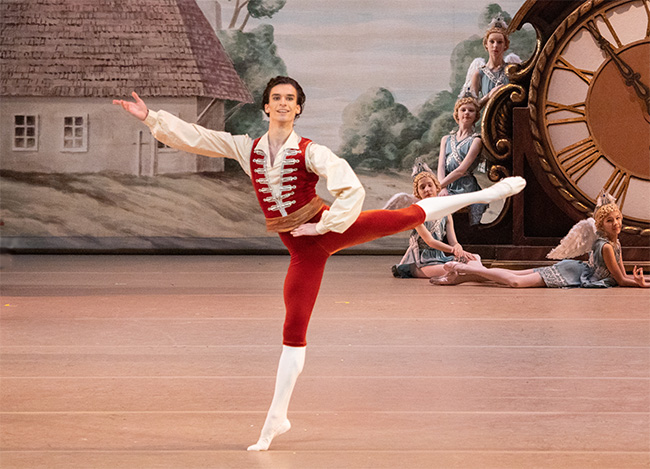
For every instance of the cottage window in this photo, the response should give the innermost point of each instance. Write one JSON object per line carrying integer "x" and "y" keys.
{"x": 160, "y": 146}
{"x": 25, "y": 133}
{"x": 75, "y": 133}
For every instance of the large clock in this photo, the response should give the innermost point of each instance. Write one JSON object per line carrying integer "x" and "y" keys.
{"x": 590, "y": 108}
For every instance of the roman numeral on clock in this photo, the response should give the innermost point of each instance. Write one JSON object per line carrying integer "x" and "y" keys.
{"x": 563, "y": 64}
{"x": 617, "y": 185}
{"x": 578, "y": 158}
{"x": 577, "y": 108}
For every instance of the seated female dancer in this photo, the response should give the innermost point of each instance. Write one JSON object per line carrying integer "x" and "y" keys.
{"x": 604, "y": 268}
{"x": 427, "y": 252}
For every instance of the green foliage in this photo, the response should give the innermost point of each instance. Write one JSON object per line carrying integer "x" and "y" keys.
{"x": 377, "y": 131}
{"x": 254, "y": 55}
{"x": 441, "y": 127}
{"x": 436, "y": 105}
{"x": 380, "y": 134}
{"x": 265, "y": 8}
{"x": 461, "y": 58}
{"x": 522, "y": 43}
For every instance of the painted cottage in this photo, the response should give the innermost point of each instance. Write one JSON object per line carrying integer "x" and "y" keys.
{"x": 63, "y": 61}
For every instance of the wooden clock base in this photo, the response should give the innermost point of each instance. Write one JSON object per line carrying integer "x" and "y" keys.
{"x": 536, "y": 219}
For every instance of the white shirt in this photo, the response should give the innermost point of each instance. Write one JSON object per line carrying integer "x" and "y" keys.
{"x": 342, "y": 183}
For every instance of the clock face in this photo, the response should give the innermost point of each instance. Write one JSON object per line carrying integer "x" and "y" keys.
{"x": 593, "y": 106}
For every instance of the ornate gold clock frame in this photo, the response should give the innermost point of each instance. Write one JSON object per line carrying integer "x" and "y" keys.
{"x": 574, "y": 119}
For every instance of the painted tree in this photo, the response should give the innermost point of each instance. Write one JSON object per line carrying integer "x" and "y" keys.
{"x": 369, "y": 141}
{"x": 255, "y": 9}
{"x": 254, "y": 56}
{"x": 377, "y": 131}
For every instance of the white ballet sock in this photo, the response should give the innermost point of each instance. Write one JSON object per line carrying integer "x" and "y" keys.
{"x": 291, "y": 363}
{"x": 438, "y": 207}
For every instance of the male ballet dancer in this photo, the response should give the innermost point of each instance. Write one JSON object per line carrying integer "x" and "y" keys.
{"x": 284, "y": 169}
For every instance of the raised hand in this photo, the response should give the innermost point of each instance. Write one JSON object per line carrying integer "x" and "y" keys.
{"x": 138, "y": 108}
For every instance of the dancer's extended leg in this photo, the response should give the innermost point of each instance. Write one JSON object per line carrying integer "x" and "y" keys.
{"x": 308, "y": 257}
{"x": 511, "y": 278}
{"x": 454, "y": 278}
{"x": 438, "y": 207}
{"x": 291, "y": 363}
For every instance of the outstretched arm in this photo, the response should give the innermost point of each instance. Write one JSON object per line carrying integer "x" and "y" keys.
{"x": 138, "y": 108}
{"x": 191, "y": 138}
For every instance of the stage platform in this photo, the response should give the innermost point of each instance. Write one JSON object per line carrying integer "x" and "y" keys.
{"x": 169, "y": 362}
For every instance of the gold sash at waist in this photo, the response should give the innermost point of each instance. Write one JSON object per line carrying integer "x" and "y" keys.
{"x": 297, "y": 218}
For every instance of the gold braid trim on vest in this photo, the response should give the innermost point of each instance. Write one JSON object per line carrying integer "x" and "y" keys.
{"x": 297, "y": 218}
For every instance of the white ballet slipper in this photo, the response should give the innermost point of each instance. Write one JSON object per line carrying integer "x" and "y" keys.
{"x": 437, "y": 207}
{"x": 265, "y": 441}
{"x": 451, "y": 266}
{"x": 503, "y": 189}
{"x": 448, "y": 279}
{"x": 291, "y": 364}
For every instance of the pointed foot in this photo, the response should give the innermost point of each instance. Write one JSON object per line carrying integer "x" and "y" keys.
{"x": 506, "y": 187}
{"x": 265, "y": 441}
{"x": 450, "y": 278}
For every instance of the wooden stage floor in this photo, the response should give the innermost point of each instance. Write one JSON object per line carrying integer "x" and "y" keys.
{"x": 169, "y": 362}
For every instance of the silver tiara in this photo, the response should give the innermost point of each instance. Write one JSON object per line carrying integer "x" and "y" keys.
{"x": 604, "y": 198}
{"x": 467, "y": 94}
{"x": 420, "y": 166}
{"x": 498, "y": 22}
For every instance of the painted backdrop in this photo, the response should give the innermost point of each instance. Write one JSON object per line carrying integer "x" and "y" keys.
{"x": 357, "y": 62}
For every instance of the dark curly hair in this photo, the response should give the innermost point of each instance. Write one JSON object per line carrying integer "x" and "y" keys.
{"x": 280, "y": 80}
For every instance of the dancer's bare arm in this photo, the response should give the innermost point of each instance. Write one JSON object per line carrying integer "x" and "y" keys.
{"x": 458, "y": 250}
{"x": 428, "y": 238}
{"x": 441, "y": 165}
{"x": 618, "y": 270}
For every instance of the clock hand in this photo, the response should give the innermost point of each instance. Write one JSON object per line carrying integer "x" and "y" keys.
{"x": 631, "y": 77}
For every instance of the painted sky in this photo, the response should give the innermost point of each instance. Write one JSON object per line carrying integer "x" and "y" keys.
{"x": 338, "y": 49}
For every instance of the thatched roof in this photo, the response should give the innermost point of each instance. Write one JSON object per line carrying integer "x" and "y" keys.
{"x": 107, "y": 48}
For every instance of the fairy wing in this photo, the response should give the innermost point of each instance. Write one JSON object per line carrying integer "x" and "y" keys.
{"x": 578, "y": 241}
{"x": 512, "y": 58}
{"x": 473, "y": 67}
{"x": 399, "y": 200}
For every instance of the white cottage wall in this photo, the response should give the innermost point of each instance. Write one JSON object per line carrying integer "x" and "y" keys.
{"x": 115, "y": 141}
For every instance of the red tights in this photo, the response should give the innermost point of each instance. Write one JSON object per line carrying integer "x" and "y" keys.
{"x": 310, "y": 253}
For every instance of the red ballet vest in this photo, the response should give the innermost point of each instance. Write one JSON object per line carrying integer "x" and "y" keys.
{"x": 296, "y": 202}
